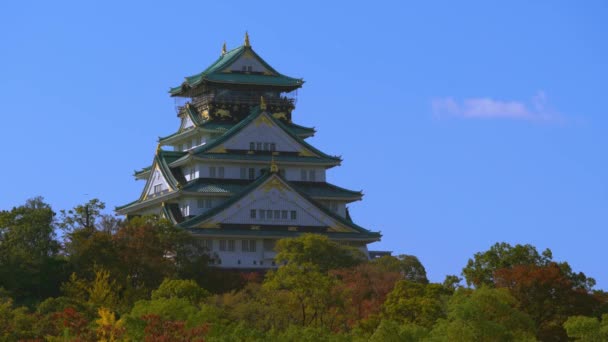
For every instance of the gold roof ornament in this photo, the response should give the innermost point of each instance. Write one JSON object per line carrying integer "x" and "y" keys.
{"x": 247, "y": 39}
{"x": 224, "y": 49}
{"x": 273, "y": 166}
{"x": 158, "y": 148}
{"x": 262, "y": 103}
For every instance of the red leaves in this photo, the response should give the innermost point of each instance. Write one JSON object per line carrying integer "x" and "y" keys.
{"x": 158, "y": 330}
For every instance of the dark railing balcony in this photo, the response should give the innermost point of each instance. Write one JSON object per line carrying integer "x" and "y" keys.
{"x": 242, "y": 99}
{"x": 202, "y": 102}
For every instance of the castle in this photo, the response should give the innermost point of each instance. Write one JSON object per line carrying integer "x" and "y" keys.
{"x": 238, "y": 173}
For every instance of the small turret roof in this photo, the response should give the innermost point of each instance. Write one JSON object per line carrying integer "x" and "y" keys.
{"x": 220, "y": 72}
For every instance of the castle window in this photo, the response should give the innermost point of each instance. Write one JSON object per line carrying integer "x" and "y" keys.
{"x": 243, "y": 173}
{"x": 273, "y": 147}
{"x": 303, "y": 175}
{"x": 221, "y": 171}
{"x": 249, "y": 68}
{"x": 248, "y": 245}
{"x": 251, "y": 146}
{"x": 157, "y": 188}
{"x": 252, "y": 213}
{"x": 251, "y": 173}
{"x": 283, "y": 214}
{"x": 277, "y": 214}
{"x": 200, "y": 203}
{"x": 212, "y": 171}
{"x": 208, "y": 203}
{"x": 262, "y": 214}
{"x": 293, "y": 214}
{"x": 192, "y": 172}
{"x": 312, "y": 175}
{"x": 227, "y": 245}
{"x": 258, "y": 146}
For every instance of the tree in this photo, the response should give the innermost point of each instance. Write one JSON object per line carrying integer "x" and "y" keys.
{"x": 174, "y": 288}
{"x": 408, "y": 266}
{"x": 548, "y": 295}
{"x": 317, "y": 250}
{"x": 88, "y": 216}
{"x": 484, "y": 314}
{"x": 480, "y": 270}
{"x": 308, "y": 293}
{"x": 30, "y": 267}
{"x": 365, "y": 288}
{"x": 587, "y": 329}
{"x": 417, "y": 303}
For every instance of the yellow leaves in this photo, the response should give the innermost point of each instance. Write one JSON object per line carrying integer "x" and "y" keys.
{"x": 108, "y": 328}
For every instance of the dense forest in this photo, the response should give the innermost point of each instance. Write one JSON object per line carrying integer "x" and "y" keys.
{"x": 82, "y": 275}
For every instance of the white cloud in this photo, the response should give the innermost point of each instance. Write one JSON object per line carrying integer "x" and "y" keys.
{"x": 488, "y": 108}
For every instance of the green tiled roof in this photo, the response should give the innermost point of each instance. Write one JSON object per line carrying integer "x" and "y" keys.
{"x": 214, "y": 74}
{"x": 371, "y": 236}
{"x": 235, "y": 186}
{"x": 214, "y": 185}
{"x": 267, "y": 158}
{"x": 323, "y": 189}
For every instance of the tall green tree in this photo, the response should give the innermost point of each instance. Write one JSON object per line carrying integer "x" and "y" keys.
{"x": 317, "y": 250}
{"x": 484, "y": 314}
{"x": 30, "y": 267}
{"x": 421, "y": 304}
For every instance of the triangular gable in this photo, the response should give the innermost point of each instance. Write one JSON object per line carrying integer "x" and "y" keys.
{"x": 272, "y": 192}
{"x": 248, "y": 62}
{"x": 161, "y": 174}
{"x": 247, "y": 131}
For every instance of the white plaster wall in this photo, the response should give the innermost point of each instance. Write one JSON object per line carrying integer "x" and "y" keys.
{"x": 256, "y": 66}
{"x": 295, "y": 173}
{"x": 275, "y": 199}
{"x": 263, "y": 259}
{"x": 186, "y": 122}
{"x": 157, "y": 178}
{"x": 262, "y": 132}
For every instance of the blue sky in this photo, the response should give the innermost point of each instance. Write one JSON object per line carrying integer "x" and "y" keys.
{"x": 464, "y": 125}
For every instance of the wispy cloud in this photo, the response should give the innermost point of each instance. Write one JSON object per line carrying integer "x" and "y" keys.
{"x": 488, "y": 108}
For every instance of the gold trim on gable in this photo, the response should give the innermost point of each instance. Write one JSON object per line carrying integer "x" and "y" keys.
{"x": 306, "y": 153}
{"x": 219, "y": 149}
{"x": 263, "y": 120}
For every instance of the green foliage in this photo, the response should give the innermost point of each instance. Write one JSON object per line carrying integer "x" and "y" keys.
{"x": 416, "y": 303}
{"x": 480, "y": 270}
{"x": 174, "y": 288}
{"x": 483, "y": 315}
{"x": 30, "y": 267}
{"x": 308, "y": 296}
{"x": 317, "y": 250}
{"x": 15, "y": 323}
{"x": 389, "y": 331}
{"x": 587, "y": 329}
{"x": 408, "y": 266}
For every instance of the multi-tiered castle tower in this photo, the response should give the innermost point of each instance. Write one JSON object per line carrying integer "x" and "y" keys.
{"x": 238, "y": 173}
